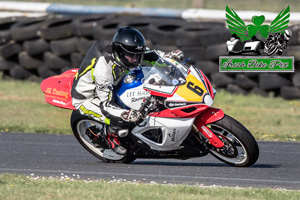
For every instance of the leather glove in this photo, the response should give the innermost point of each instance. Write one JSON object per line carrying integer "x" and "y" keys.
{"x": 133, "y": 116}
{"x": 175, "y": 54}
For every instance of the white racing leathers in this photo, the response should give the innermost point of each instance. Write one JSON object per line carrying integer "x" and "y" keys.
{"x": 92, "y": 90}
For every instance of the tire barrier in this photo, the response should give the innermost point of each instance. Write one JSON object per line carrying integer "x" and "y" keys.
{"x": 5, "y": 25}
{"x": 26, "y": 29}
{"x": 64, "y": 47}
{"x": 36, "y": 48}
{"x": 29, "y": 62}
{"x": 10, "y": 49}
{"x": 56, "y": 28}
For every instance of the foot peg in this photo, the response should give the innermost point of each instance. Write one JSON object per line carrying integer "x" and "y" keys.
{"x": 118, "y": 132}
{"x": 122, "y": 132}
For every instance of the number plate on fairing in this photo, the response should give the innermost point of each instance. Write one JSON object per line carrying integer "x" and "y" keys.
{"x": 193, "y": 90}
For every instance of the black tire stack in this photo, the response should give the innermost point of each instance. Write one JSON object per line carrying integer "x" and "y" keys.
{"x": 36, "y": 48}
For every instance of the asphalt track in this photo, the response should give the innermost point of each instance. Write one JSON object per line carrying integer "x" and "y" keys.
{"x": 61, "y": 155}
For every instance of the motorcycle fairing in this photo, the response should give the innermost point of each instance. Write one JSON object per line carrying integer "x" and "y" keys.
{"x": 131, "y": 94}
{"x": 57, "y": 89}
{"x": 173, "y": 130}
{"x": 189, "y": 99}
{"x": 206, "y": 83}
{"x": 131, "y": 98}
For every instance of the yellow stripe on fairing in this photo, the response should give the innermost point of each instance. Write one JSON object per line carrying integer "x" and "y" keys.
{"x": 188, "y": 94}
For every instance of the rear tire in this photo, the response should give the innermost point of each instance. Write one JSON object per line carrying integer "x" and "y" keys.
{"x": 241, "y": 149}
{"x": 79, "y": 124}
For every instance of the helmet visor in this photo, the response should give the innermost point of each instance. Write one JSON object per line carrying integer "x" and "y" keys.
{"x": 131, "y": 58}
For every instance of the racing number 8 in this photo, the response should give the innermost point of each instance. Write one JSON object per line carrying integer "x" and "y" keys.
{"x": 191, "y": 86}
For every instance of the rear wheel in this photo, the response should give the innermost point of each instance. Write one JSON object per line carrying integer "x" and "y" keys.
{"x": 240, "y": 147}
{"x": 80, "y": 124}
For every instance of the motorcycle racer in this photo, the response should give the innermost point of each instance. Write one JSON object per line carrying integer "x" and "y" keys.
{"x": 102, "y": 68}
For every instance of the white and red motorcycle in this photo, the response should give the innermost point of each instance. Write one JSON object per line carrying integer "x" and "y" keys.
{"x": 179, "y": 121}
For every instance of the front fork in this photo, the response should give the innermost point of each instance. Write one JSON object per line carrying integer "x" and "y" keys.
{"x": 209, "y": 116}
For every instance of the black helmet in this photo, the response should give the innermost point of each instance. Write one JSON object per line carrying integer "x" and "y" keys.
{"x": 128, "y": 47}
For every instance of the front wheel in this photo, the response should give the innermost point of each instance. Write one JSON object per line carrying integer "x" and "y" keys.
{"x": 240, "y": 148}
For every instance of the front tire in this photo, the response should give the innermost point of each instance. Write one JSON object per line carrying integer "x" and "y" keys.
{"x": 240, "y": 149}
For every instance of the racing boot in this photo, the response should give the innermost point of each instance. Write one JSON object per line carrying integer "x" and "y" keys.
{"x": 97, "y": 137}
{"x": 113, "y": 142}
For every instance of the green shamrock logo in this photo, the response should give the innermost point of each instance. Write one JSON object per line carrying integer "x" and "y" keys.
{"x": 237, "y": 26}
{"x": 258, "y": 27}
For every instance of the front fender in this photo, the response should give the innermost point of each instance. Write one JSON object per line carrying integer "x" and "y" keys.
{"x": 209, "y": 116}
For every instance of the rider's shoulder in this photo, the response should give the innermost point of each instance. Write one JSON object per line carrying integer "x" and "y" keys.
{"x": 103, "y": 46}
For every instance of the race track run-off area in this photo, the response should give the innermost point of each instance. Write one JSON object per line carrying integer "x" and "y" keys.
{"x": 54, "y": 155}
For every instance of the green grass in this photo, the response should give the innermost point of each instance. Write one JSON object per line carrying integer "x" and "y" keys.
{"x": 23, "y": 109}
{"x": 21, "y": 187}
{"x": 273, "y": 119}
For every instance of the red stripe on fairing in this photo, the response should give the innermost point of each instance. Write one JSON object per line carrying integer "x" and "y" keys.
{"x": 160, "y": 93}
{"x": 208, "y": 84}
{"x": 178, "y": 113}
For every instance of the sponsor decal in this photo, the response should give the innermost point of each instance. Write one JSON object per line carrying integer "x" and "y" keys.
{"x": 58, "y": 101}
{"x": 139, "y": 48}
{"x": 173, "y": 135}
{"x": 205, "y": 129}
{"x": 175, "y": 104}
{"x": 133, "y": 99}
{"x": 137, "y": 93}
{"x": 179, "y": 104}
{"x": 56, "y": 92}
{"x": 259, "y": 44}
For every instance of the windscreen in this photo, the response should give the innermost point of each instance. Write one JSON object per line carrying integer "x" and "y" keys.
{"x": 166, "y": 72}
